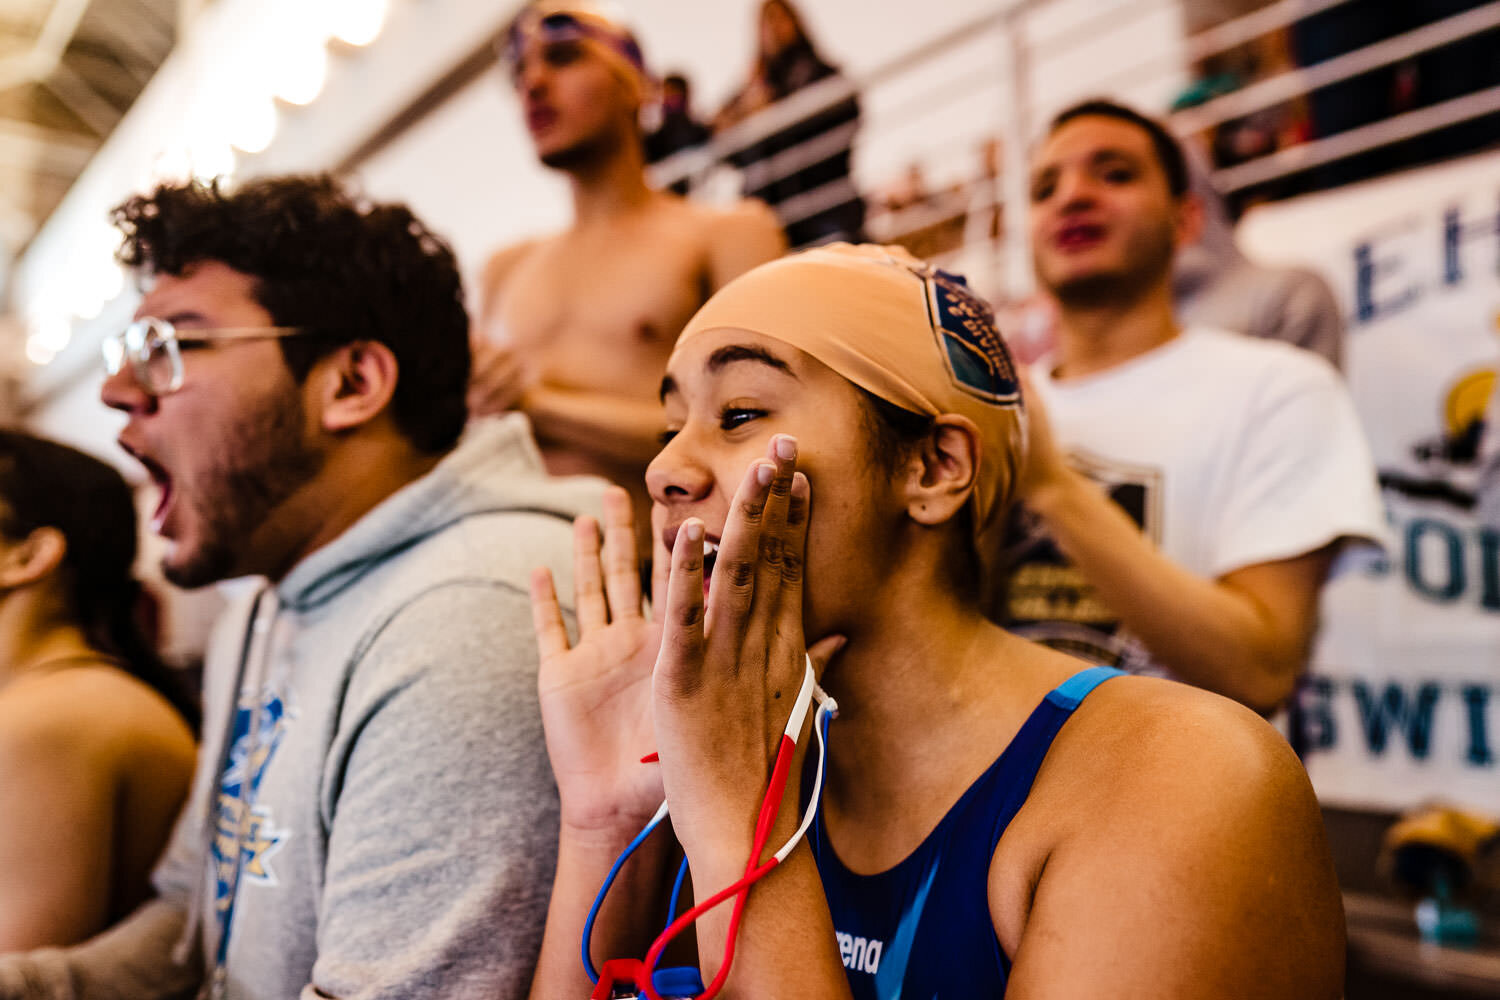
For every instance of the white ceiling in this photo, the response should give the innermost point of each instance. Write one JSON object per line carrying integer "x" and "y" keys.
{"x": 69, "y": 70}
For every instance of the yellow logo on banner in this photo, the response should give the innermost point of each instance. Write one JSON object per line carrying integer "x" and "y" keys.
{"x": 1467, "y": 401}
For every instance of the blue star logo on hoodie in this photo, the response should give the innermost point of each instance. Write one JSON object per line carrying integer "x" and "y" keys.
{"x": 240, "y": 820}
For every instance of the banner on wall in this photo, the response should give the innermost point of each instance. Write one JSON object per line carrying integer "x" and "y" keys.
{"x": 1402, "y": 705}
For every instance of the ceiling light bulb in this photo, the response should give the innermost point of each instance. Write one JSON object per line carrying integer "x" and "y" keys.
{"x": 255, "y": 129}
{"x": 358, "y": 22}
{"x": 302, "y": 73}
{"x": 53, "y": 334}
{"x": 211, "y": 160}
{"x": 38, "y": 353}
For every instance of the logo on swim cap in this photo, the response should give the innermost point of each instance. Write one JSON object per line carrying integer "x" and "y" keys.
{"x": 978, "y": 359}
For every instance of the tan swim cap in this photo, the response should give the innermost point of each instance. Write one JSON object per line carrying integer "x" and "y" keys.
{"x": 898, "y": 328}
{"x": 594, "y": 24}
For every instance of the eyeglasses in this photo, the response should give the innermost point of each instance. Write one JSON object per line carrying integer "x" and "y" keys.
{"x": 152, "y": 346}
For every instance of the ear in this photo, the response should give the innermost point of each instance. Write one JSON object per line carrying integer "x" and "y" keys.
{"x": 941, "y": 474}
{"x": 1189, "y": 223}
{"x": 354, "y": 384}
{"x": 34, "y": 558}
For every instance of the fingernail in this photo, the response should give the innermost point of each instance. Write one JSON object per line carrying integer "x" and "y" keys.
{"x": 694, "y": 531}
{"x": 763, "y": 474}
{"x": 786, "y": 448}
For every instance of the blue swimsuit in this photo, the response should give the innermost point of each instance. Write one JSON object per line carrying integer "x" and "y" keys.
{"x": 922, "y": 930}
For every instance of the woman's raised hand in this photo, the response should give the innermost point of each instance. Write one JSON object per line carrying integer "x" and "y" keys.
{"x": 730, "y": 671}
{"x": 596, "y": 695}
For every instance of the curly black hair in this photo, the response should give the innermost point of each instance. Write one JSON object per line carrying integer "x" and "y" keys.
{"x": 330, "y": 261}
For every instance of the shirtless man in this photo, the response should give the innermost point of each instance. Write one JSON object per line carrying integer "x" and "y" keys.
{"x": 575, "y": 328}
{"x": 994, "y": 815}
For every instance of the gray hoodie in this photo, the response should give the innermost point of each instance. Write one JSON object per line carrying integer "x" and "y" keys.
{"x": 385, "y": 778}
{"x": 1215, "y": 284}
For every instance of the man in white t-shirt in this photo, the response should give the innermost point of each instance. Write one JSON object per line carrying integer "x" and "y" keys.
{"x": 1232, "y": 469}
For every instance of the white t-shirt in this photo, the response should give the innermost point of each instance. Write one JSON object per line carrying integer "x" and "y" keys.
{"x": 1228, "y": 451}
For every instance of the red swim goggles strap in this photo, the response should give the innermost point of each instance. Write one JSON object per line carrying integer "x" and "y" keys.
{"x": 643, "y": 975}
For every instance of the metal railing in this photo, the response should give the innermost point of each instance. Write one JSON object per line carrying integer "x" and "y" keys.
{"x": 696, "y": 165}
{"x": 1295, "y": 83}
{"x": 974, "y": 214}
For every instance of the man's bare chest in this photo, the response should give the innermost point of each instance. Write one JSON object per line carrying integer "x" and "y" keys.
{"x": 636, "y": 299}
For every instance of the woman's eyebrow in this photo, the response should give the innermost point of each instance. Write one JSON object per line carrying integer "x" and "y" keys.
{"x": 730, "y": 355}
{"x": 734, "y": 353}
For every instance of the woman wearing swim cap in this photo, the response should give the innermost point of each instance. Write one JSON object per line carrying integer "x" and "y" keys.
{"x": 843, "y": 433}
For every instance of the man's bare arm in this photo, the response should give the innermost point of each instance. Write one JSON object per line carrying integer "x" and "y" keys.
{"x": 619, "y": 429}
{"x": 1244, "y": 635}
{"x": 1193, "y": 865}
{"x": 496, "y": 275}
{"x": 497, "y": 374}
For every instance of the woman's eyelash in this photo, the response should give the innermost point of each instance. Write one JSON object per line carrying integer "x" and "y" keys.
{"x": 733, "y": 416}
{"x": 729, "y": 418}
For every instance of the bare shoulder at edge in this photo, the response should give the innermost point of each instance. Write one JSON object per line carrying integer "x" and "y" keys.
{"x": 1183, "y": 806}
{"x": 1167, "y": 764}
{"x": 93, "y": 708}
{"x": 739, "y": 237}
{"x": 1159, "y": 727}
{"x": 745, "y": 215}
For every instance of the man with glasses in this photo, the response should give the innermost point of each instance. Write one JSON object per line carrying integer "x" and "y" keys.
{"x": 373, "y": 812}
{"x": 575, "y": 328}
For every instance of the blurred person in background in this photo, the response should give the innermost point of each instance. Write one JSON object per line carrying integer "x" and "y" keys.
{"x": 678, "y": 129}
{"x": 1215, "y": 284}
{"x": 1188, "y": 487}
{"x": 373, "y": 813}
{"x": 815, "y": 199}
{"x": 96, "y": 749}
{"x": 574, "y": 329}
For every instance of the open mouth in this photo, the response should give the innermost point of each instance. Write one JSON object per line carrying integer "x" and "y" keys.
{"x": 710, "y": 553}
{"x": 710, "y": 556}
{"x": 161, "y": 478}
{"x": 539, "y": 118}
{"x": 1079, "y": 236}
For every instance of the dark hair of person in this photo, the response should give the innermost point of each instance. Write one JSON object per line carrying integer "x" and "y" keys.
{"x": 1168, "y": 152}
{"x": 795, "y": 66}
{"x": 44, "y": 484}
{"x": 893, "y": 434}
{"x": 345, "y": 268}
